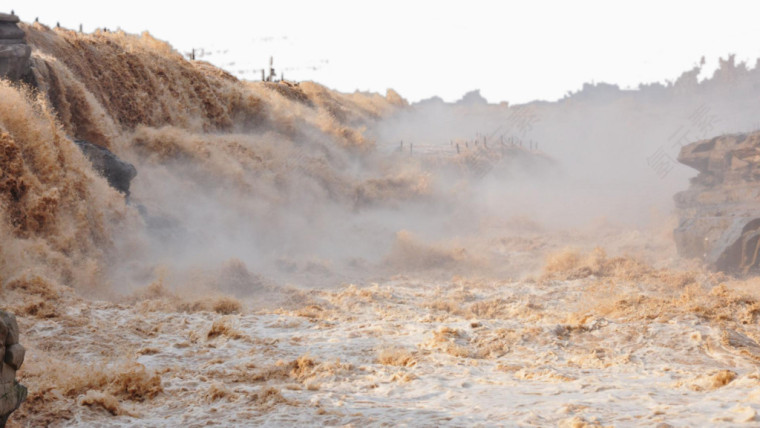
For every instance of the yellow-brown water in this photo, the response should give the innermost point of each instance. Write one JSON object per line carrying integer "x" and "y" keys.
{"x": 275, "y": 265}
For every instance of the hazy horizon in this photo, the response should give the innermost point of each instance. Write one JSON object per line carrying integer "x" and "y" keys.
{"x": 426, "y": 51}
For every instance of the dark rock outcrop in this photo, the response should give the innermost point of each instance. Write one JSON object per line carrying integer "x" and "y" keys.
{"x": 118, "y": 173}
{"x": 12, "y": 393}
{"x": 720, "y": 213}
{"x": 14, "y": 52}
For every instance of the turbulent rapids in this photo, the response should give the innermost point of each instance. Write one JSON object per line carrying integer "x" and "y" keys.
{"x": 182, "y": 248}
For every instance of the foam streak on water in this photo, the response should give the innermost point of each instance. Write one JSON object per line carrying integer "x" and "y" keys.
{"x": 444, "y": 353}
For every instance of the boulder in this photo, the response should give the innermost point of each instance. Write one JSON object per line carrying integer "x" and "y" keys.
{"x": 7, "y": 373}
{"x": 10, "y": 32}
{"x": 118, "y": 172}
{"x": 12, "y": 393}
{"x": 14, "y": 356}
{"x": 6, "y": 17}
{"x": 719, "y": 215}
{"x": 14, "y": 52}
{"x": 11, "y": 397}
{"x": 10, "y": 326}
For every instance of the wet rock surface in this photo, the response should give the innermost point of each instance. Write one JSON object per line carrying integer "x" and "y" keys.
{"x": 12, "y": 394}
{"x": 719, "y": 215}
{"x": 118, "y": 172}
{"x": 14, "y": 52}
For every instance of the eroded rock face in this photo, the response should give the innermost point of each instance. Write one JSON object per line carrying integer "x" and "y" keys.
{"x": 720, "y": 213}
{"x": 12, "y": 393}
{"x": 118, "y": 172}
{"x": 14, "y": 52}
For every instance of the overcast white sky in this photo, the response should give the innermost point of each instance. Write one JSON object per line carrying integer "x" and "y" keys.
{"x": 514, "y": 52}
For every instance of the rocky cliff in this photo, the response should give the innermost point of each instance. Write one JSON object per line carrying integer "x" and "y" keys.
{"x": 12, "y": 394}
{"x": 720, "y": 212}
{"x": 14, "y": 52}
